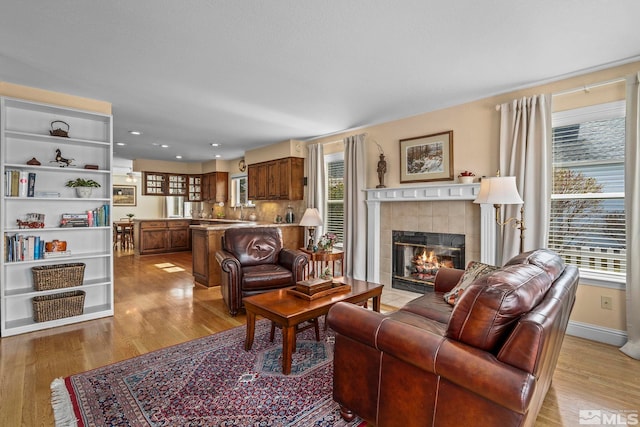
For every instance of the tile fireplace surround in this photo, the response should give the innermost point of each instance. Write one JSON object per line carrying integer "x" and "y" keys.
{"x": 443, "y": 208}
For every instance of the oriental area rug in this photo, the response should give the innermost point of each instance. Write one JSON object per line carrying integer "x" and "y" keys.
{"x": 210, "y": 381}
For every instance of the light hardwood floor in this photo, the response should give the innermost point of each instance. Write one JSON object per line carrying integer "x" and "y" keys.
{"x": 157, "y": 305}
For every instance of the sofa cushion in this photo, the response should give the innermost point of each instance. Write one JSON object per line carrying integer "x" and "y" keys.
{"x": 260, "y": 246}
{"x": 546, "y": 259}
{"x": 474, "y": 271}
{"x": 265, "y": 276}
{"x": 430, "y": 306}
{"x": 488, "y": 308}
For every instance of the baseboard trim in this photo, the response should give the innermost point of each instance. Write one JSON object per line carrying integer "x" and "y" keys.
{"x": 597, "y": 333}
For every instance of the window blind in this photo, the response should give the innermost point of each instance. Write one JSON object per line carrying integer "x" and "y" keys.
{"x": 335, "y": 199}
{"x": 587, "y": 218}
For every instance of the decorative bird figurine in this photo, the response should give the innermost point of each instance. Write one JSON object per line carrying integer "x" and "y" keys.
{"x": 61, "y": 161}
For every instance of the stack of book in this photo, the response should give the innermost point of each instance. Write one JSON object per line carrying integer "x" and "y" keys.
{"x": 19, "y": 183}
{"x": 313, "y": 286}
{"x": 74, "y": 220}
{"x": 20, "y": 247}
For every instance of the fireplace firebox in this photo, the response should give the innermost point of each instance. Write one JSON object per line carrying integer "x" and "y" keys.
{"x": 417, "y": 256}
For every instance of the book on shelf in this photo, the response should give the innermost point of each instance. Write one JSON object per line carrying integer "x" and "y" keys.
{"x": 47, "y": 194}
{"x": 22, "y": 184}
{"x": 31, "y": 184}
{"x": 57, "y": 254}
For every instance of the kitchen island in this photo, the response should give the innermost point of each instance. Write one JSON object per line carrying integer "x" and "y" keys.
{"x": 163, "y": 235}
{"x": 206, "y": 239}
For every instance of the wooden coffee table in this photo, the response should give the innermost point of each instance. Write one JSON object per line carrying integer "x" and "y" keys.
{"x": 288, "y": 311}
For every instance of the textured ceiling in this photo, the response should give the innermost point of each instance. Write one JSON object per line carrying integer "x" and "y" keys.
{"x": 246, "y": 74}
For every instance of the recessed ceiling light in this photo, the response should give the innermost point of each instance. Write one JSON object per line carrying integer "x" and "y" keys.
{"x": 164, "y": 146}
{"x": 215, "y": 144}
{"x": 120, "y": 143}
{"x": 178, "y": 156}
{"x": 218, "y": 156}
{"x": 135, "y": 132}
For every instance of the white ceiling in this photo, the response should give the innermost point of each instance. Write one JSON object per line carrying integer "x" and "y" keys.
{"x": 249, "y": 73}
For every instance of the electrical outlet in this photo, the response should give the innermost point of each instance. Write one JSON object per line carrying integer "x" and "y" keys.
{"x": 606, "y": 303}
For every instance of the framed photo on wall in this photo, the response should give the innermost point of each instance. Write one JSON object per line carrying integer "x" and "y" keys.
{"x": 427, "y": 158}
{"x": 124, "y": 195}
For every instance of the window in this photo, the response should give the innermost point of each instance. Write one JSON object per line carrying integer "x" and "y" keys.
{"x": 587, "y": 221}
{"x": 334, "y": 221}
{"x": 239, "y": 186}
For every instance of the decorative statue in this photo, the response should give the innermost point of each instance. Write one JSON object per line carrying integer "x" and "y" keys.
{"x": 61, "y": 161}
{"x": 382, "y": 169}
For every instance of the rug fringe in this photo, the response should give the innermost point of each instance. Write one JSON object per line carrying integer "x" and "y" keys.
{"x": 61, "y": 403}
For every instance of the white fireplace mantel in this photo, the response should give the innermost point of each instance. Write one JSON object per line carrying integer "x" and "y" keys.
{"x": 432, "y": 192}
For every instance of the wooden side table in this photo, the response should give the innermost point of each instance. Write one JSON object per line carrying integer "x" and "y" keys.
{"x": 318, "y": 261}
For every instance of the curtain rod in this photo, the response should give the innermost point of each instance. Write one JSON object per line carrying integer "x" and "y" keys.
{"x": 585, "y": 88}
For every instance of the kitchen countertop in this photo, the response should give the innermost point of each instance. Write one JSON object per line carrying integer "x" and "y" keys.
{"x": 220, "y": 223}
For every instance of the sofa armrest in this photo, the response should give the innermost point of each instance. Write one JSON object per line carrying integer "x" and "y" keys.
{"x": 295, "y": 261}
{"x": 231, "y": 278}
{"x": 355, "y": 322}
{"x": 228, "y": 262}
{"x": 476, "y": 371}
{"x": 473, "y": 369}
{"x": 446, "y": 279}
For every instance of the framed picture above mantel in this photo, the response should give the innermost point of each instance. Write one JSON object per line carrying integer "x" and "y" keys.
{"x": 427, "y": 158}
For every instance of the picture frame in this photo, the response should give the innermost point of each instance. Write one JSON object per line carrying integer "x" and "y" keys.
{"x": 124, "y": 195}
{"x": 427, "y": 158}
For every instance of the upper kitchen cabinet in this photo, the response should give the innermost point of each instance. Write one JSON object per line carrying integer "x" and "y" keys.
{"x": 195, "y": 188}
{"x": 281, "y": 179}
{"x": 164, "y": 184}
{"x": 215, "y": 187}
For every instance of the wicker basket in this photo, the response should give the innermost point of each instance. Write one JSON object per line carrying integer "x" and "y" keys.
{"x": 57, "y": 306}
{"x": 57, "y": 276}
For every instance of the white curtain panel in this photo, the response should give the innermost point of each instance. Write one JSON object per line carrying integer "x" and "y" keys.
{"x": 525, "y": 152}
{"x": 355, "y": 208}
{"x": 315, "y": 184}
{"x": 632, "y": 208}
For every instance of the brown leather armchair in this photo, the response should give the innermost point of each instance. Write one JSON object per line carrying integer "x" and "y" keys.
{"x": 487, "y": 361}
{"x": 253, "y": 261}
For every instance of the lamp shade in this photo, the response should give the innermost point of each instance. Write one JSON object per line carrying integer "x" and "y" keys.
{"x": 499, "y": 190}
{"x": 311, "y": 218}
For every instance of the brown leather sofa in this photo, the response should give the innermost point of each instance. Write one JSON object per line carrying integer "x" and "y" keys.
{"x": 253, "y": 261}
{"x": 488, "y": 361}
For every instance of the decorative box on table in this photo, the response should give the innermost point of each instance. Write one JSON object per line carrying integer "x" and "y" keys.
{"x": 313, "y": 286}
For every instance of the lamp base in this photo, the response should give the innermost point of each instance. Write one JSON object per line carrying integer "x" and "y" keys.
{"x": 310, "y": 243}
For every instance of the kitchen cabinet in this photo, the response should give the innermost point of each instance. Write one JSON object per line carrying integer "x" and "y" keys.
{"x": 161, "y": 236}
{"x": 257, "y": 181}
{"x": 24, "y": 133}
{"x": 215, "y": 187}
{"x": 195, "y": 188}
{"x": 281, "y": 179}
{"x": 164, "y": 184}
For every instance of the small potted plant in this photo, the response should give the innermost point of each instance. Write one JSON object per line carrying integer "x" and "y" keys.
{"x": 130, "y": 215}
{"x": 466, "y": 177}
{"x": 83, "y": 186}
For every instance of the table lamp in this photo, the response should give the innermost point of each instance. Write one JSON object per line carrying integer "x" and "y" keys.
{"x": 311, "y": 219}
{"x": 502, "y": 190}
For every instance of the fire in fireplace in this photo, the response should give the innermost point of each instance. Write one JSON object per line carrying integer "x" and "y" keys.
{"x": 417, "y": 256}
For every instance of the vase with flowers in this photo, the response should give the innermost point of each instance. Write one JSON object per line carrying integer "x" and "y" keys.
{"x": 327, "y": 241}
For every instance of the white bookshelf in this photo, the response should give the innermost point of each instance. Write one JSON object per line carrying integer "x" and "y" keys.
{"x": 24, "y": 134}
